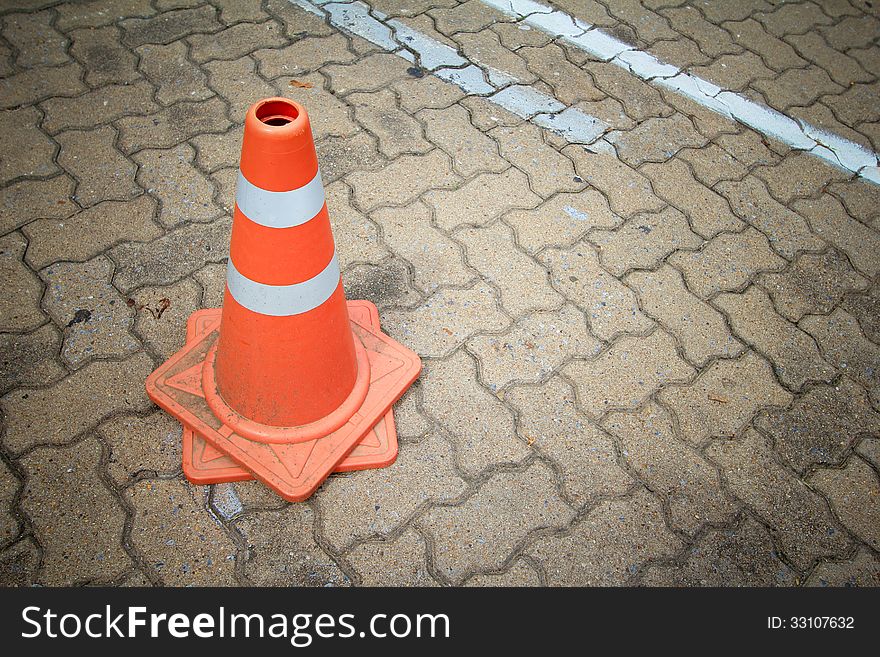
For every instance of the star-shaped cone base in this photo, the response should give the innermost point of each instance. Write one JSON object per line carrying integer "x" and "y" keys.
{"x": 205, "y": 464}
{"x": 293, "y": 470}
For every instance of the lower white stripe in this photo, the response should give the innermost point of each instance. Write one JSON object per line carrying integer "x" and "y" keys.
{"x": 279, "y": 209}
{"x": 283, "y": 300}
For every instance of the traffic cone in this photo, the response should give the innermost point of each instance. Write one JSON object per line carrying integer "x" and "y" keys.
{"x": 286, "y": 383}
{"x": 204, "y": 464}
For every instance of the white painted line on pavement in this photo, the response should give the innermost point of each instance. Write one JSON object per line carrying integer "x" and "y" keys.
{"x": 797, "y": 134}
{"x": 395, "y": 37}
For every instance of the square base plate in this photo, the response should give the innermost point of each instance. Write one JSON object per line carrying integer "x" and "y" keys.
{"x": 294, "y": 470}
{"x": 204, "y": 464}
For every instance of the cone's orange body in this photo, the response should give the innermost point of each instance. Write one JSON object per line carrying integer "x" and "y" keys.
{"x": 298, "y": 365}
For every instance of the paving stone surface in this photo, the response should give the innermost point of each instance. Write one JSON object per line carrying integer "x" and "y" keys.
{"x": 650, "y": 332}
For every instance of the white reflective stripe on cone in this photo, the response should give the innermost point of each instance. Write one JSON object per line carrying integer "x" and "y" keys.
{"x": 279, "y": 209}
{"x": 283, "y": 300}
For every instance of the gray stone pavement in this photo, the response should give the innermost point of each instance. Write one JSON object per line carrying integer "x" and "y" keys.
{"x": 651, "y": 361}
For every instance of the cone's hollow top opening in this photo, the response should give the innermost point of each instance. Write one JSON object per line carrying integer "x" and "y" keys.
{"x": 277, "y": 112}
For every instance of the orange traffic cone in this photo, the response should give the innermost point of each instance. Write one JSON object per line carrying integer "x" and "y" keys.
{"x": 204, "y": 464}
{"x": 286, "y": 383}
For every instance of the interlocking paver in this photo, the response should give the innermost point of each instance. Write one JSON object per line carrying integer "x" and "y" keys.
{"x": 375, "y": 503}
{"x": 727, "y": 262}
{"x": 611, "y": 307}
{"x": 95, "y": 13}
{"x": 711, "y": 164}
{"x": 27, "y": 200}
{"x": 794, "y": 355}
{"x": 534, "y": 347}
{"x": 481, "y": 199}
{"x": 173, "y": 125}
{"x": 629, "y": 372}
{"x": 235, "y": 41}
{"x": 368, "y": 74}
{"x": 676, "y": 472}
{"x": 102, "y": 54}
{"x": 283, "y": 552}
{"x": 742, "y": 556}
{"x": 843, "y": 70}
{"x": 238, "y": 83}
{"x": 775, "y": 52}
{"x": 403, "y": 180}
{"x": 303, "y": 56}
{"x": 609, "y": 545}
{"x": 101, "y": 171}
{"x": 93, "y": 316}
{"x": 170, "y": 26}
{"x": 470, "y": 16}
{"x": 550, "y": 420}
{"x": 862, "y": 570}
{"x": 644, "y": 240}
{"x": 20, "y": 306}
{"x": 98, "y": 106}
{"x": 398, "y": 562}
{"x": 734, "y": 72}
{"x": 798, "y": 176}
{"x": 141, "y": 446}
{"x": 36, "y": 84}
{"x": 700, "y": 329}
{"x": 471, "y": 150}
{"x": 26, "y": 150}
{"x": 799, "y": 517}
{"x": 640, "y": 100}
{"x": 724, "y": 398}
{"x": 708, "y": 212}
{"x": 29, "y": 359}
{"x": 426, "y": 92}
{"x": 797, "y": 87}
{"x": 846, "y": 348}
{"x": 178, "y": 253}
{"x": 185, "y": 194}
{"x": 852, "y": 32}
{"x": 562, "y": 220}
{"x": 570, "y": 83}
{"x": 396, "y": 130}
{"x": 549, "y": 172}
{"x": 176, "y": 77}
{"x": 821, "y": 426}
{"x": 436, "y": 259}
{"x": 830, "y": 221}
{"x": 481, "y": 533}
{"x": 522, "y": 283}
{"x": 866, "y": 308}
{"x": 813, "y": 284}
{"x": 37, "y": 41}
{"x": 860, "y": 198}
{"x": 77, "y": 520}
{"x": 87, "y": 233}
{"x": 76, "y": 403}
{"x": 234, "y": 11}
{"x": 656, "y": 140}
{"x": 480, "y": 427}
{"x": 177, "y": 538}
{"x": 387, "y": 284}
{"x": 446, "y": 319}
{"x": 356, "y": 237}
{"x": 161, "y": 314}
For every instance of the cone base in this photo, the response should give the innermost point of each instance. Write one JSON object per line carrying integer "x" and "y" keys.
{"x": 294, "y": 471}
{"x": 204, "y": 464}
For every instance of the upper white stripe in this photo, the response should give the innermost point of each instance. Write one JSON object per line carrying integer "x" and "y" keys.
{"x": 279, "y": 209}
{"x": 283, "y": 300}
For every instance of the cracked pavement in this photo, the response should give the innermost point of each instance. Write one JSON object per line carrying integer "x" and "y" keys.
{"x": 650, "y": 332}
